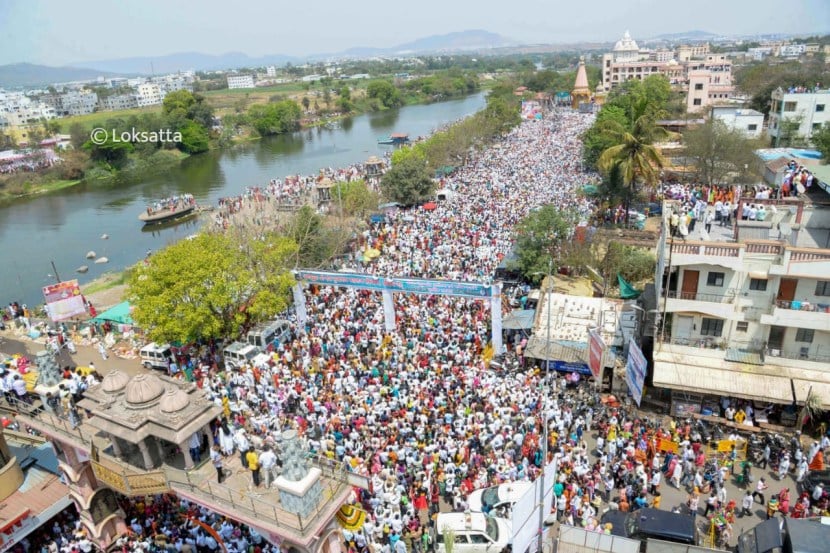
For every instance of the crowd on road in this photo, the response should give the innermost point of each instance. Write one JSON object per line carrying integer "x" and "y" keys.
{"x": 416, "y": 410}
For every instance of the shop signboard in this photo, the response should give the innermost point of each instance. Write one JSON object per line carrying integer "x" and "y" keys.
{"x": 635, "y": 372}
{"x": 64, "y": 300}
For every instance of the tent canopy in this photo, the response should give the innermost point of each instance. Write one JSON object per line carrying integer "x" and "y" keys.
{"x": 519, "y": 319}
{"x": 627, "y": 292}
{"x": 117, "y": 314}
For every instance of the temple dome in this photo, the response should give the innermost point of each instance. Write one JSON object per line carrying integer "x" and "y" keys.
{"x": 626, "y": 44}
{"x": 143, "y": 388}
{"x": 114, "y": 381}
{"x": 174, "y": 401}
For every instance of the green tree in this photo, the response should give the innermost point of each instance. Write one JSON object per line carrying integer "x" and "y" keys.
{"x": 182, "y": 105}
{"x": 541, "y": 237}
{"x": 110, "y": 151}
{"x": 78, "y": 135}
{"x": 633, "y": 264}
{"x": 385, "y": 92}
{"x": 204, "y": 288}
{"x": 639, "y": 160}
{"x": 345, "y": 92}
{"x": 821, "y": 141}
{"x": 599, "y": 137}
{"x": 356, "y": 197}
{"x": 275, "y": 118}
{"x": 317, "y": 244}
{"x": 407, "y": 182}
{"x": 719, "y": 151}
{"x": 194, "y": 138}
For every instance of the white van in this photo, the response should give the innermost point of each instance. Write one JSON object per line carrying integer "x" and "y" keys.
{"x": 238, "y": 354}
{"x": 472, "y": 533}
{"x": 269, "y": 335}
{"x": 155, "y": 356}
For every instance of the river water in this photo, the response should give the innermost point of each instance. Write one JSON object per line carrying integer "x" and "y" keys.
{"x": 62, "y": 226}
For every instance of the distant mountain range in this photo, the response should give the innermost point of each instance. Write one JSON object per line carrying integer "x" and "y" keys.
{"x": 25, "y": 74}
{"x": 32, "y": 75}
{"x": 687, "y": 35}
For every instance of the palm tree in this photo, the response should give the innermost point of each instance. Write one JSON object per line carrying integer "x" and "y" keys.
{"x": 634, "y": 154}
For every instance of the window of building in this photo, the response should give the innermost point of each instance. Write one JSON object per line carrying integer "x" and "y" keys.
{"x": 711, "y": 327}
{"x": 816, "y": 126}
{"x": 698, "y": 86}
{"x": 819, "y": 107}
{"x": 823, "y": 288}
{"x": 804, "y": 335}
{"x": 714, "y": 279}
{"x": 742, "y": 326}
{"x": 696, "y": 102}
{"x": 789, "y": 106}
{"x": 759, "y": 284}
{"x": 752, "y": 127}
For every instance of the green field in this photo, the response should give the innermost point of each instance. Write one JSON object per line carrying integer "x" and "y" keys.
{"x": 99, "y": 118}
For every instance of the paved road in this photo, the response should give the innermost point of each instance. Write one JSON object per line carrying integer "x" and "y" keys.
{"x": 12, "y": 343}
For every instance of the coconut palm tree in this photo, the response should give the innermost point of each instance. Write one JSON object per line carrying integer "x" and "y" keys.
{"x": 634, "y": 154}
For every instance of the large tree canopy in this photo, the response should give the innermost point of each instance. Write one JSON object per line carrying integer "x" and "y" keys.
{"x": 210, "y": 286}
{"x": 408, "y": 182}
{"x": 541, "y": 238}
{"x": 719, "y": 151}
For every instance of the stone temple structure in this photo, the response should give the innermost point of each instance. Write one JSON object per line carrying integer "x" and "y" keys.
{"x": 581, "y": 93}
{"x": 299, "y": 485}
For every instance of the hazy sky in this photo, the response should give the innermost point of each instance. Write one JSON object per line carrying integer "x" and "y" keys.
{"x": 60, "y": 32}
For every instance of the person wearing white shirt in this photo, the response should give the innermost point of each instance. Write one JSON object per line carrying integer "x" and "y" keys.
{"x": 267, "y": 462}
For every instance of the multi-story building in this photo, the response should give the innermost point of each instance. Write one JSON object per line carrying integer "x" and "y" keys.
{"x": 148, "y": 94}
{"x": 810, "y": 108}
{"x": 271, "y": 71}
{"x": 240, "y": 81}
{"x": 748, "y": 121}
{"x": 78, "y": 102}
{"x": 746, "y": 308}
{"x": 791, "y": 50}
{"x": 119, "y": 102}
{"x": 709, "y": 82}
{"x": 706, "y": 77}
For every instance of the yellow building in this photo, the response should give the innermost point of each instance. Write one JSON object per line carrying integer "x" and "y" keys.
{"x": 581, "y": 93}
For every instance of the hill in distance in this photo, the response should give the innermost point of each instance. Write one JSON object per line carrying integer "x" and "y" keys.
{"x": 31, "y": 75}
{"x": 451, "y": 42}
{"x": 687, "y": 35}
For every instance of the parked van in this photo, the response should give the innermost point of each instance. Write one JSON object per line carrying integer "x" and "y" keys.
{"x": 267, "y": 336}
{"x": 472, "y": 533}
{"x": 155, "y": 356}
{"x": 238, "y": 354}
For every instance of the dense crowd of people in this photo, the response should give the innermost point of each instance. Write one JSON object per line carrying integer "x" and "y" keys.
{"x": 415, "y": 409}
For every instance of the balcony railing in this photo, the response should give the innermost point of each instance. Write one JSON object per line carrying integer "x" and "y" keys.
{"x": 729, "y": 297}
{"x": 803, "y": 306}
{"x": 820, "y": 355}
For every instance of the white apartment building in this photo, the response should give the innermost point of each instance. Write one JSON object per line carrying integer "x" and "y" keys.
{"x": 240, "y": 81}
{"x": 119, "y": 102}
{"x": 747, "y": 308}
{"x": 792, "y": 50}
{"x": 148, "y": 94}
{"x": 78, "y": 102}
{"x": 17, "y": 110}
{"x": 810, "y": 108}
{"x": 748, "y": 121}
{"x": 271, "y": 71}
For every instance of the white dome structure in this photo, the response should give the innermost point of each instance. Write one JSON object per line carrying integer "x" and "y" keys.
{"x": 174, "y": 401}
{"x": 626, "y": 49}
{"x": 142, "y": 389}
{"x": 114, "y": 382}
{"x": 626, "y": 44}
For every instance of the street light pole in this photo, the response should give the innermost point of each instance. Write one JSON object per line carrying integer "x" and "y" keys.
{"x": 544, "y": 404}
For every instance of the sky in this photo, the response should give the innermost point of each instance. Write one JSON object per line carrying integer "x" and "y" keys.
{"x": 61, "y": 32}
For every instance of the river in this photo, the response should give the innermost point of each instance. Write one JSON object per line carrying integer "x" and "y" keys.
{"x": 62, "y": 226}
